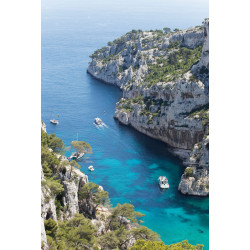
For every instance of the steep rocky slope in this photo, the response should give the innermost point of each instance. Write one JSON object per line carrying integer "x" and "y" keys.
{"x": 69, "y": 199}
{"x": 165, "y": 80}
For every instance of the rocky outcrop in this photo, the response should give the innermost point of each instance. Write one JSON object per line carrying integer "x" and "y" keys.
{"x": 72, "y": 181}
{"x": 195, "y": 180}
{"x": 203, "y": 63}
{"x": 164, "y": 78}
{"x": 172, "y": 123}
{"x": 43, "y": 126}
{"x": 48, "y": 208}
{"x": 197, "y": 183}
{"x": 127, "y": 58}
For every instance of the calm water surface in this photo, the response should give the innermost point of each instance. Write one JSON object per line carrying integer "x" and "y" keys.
{"x": 127, "y": 163}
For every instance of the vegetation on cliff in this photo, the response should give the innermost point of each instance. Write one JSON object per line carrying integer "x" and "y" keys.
{"x": 169, "y": 68}
{"x": 50, "y": 146}
{"x": 155, "y": 245}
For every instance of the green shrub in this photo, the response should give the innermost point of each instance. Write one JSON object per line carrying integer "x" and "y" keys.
{"x": 150, "y": 121}
{"x": 189, "y": 171}
{"x": 50, "y": 227}
{"x": 55, "y": 186}
{"x": 143, "y": 244}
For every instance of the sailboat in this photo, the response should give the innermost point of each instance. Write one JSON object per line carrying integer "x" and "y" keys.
{"x": 76, "y": 155}
{"x": 54, "y": 121}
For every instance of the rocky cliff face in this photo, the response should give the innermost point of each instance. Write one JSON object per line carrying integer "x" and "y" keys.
{"x": 127, "y": 59}
{"x": 48, "y": 208}
{"x": 195, "y": 180}
{"x": 43, "y": 126}
{"x": 72, "y": 182}
{"x": 164, "y": 78}
{"x": 203, "y": 63}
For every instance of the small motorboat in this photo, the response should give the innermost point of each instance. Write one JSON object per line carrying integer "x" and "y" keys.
{"x": 98, "y": 121}
{"x": 91, "y": 168}
{"x": 76, "y": 156}
{"x": 163, "y": 182}
{"x": 54, "y": 121}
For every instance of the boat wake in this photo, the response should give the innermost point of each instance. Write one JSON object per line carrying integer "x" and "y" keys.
{"x": 100, "y": 126}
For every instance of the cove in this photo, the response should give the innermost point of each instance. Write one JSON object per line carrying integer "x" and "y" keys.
{"x": 127, "y": 163}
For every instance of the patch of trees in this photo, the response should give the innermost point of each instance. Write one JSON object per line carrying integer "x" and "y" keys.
{"x": 177, "y": 63}
{"x": 98, "y": 51}
{"x": 79, "y": 233}
{"x": 167, "y": 30}
{"x": 156, "y": 245}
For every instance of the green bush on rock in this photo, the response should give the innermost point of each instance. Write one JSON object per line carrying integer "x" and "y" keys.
{"x": 189, "y": 171}
{"x": 92, "y": 192}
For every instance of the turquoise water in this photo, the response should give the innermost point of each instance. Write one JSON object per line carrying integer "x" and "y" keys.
{"x": 127, "y": 163}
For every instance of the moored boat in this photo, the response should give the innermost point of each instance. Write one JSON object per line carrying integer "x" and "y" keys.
{"x": 163, "y": 182}
{"x": 76, "y": 156}
{"x": 54, "y": 121}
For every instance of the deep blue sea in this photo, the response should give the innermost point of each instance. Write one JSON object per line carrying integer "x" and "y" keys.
{"x": 127, "y": 163}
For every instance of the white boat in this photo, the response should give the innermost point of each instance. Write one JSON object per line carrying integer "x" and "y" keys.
{"x": 98, "y": 121}
{"x": 54, "y": 121}
{"x": 76, "y": 156}
{"x": 163, "y": 182}
{"x": 91, "y": 168}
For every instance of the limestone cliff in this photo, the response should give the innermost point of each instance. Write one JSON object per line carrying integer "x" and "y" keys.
{"x": 195, "y": 180}
{"x": 43, "y": 126}
{"x": 164, "y": 78}
{"x": 72, "y": 180}
{"x": 48, "y": 209}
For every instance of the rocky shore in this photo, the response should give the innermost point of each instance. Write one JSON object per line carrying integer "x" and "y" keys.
{"x": 165, "y": 81}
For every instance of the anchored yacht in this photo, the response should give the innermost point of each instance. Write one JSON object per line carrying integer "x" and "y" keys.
{"x": 163, "y": 182}
{"x": 54, "y": 121}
